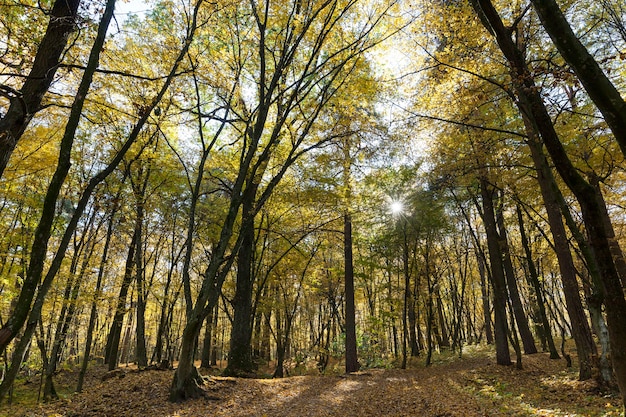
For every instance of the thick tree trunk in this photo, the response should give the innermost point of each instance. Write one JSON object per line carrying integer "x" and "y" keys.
{"x": 187, "y": 382}
{"x": 511, "y": 281}
{"x": 498, "y": 280}
{"x": 240, "y": 362}
{"x": 352, "y": 363}
{"x": 28, "y": 101}
{"x": 600, "y": 89}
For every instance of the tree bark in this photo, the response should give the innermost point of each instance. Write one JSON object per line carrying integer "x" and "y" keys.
{"x": 240, "y": 362}
{"x": 115, "y": 333}
{"x": 581, "y": 331}
{"x": 533, "y": 278}
{"x": 511, "y": 280}
{"x": 352, "y": 363}
{"x": 498, "y": 280}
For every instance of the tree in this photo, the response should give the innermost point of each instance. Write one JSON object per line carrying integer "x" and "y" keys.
{"x": 27, "y": 101}
{"x": 599, "y": 87}
{"x": 593, "y": 207}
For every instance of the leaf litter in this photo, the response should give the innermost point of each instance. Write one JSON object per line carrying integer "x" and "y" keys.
{"x": 468, "y": 387}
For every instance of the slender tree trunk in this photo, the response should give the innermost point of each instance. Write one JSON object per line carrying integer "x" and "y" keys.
{"x": 207, "y": 344}
{"x": 280, "y": 342}
{"x": 430, "y": 313}
{"x": 511, "y": 280}
{"x": 215, "y": 340}
{"x": 498, "y": 280}
{"x": 141, "y": 354}
{"x": 412, "y": 304}
{"x": 352, "y": 363}
{"x": 484, "y": 290}
{"x": 94, "y": 303}
{"x": 580, "y": 326}
{"x": 445, "y": 339}
{"x": 69, "y": 306}
{"x": 533, "y": 278}
{"x": 115, "y": 332}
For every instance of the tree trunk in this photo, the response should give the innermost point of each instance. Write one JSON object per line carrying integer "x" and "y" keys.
{"x": 141, "y": 354}
{"x": 352, "y": 363}
{"x": 28, "y": 101}
{"x": 207, "y": 344}
{"x": 240, "y": 362}
{"x": 445, "y": 338}
{"x": 533, "y": 279}
{"x": 113, "y": 339}
{"x": 511, "y": 280}
{"x": 94, "y": 304}
{"x": 412, "y": 304}
{"x": 498, "y": 280}
{"x": 484, "y": 291}
{"x": 69, "y": 305}
{"x": 549, "y": 190}
{"x": 187, "y": 382}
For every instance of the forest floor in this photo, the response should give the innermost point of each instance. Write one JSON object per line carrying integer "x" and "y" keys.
{"x": 471, "y": 386}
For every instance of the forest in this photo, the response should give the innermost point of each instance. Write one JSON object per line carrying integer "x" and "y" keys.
{"x": 218, "y": 192}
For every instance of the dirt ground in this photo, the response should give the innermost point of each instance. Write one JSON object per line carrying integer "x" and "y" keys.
{"x": 468, "y": 387}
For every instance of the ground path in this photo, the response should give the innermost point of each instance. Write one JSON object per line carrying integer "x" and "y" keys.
{"x": 468, "y": 387}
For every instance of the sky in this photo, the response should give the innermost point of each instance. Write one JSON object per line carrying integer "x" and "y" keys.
{"x": 125, "y": 7}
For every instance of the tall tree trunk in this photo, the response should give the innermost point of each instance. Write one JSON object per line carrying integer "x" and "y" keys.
{"x": 511, "y": 280}
{"x": 484, "y": 291}
{"x": 444, "y": 341}
{"x": 280, "y": 342}
{"x": 26, "y": 102}
{"x": 352, "y": 363}
{"x": 498, "y": 280}
{"x": 430, "y": 313}
{"x": 141, "y": 354}
{"x": 85, "y": 249}
{"x": 411, "y": 295}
